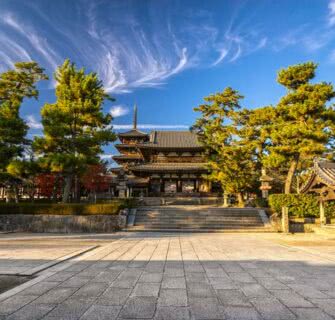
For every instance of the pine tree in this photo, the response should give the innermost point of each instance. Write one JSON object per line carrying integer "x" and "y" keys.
{"x": 75, "y": 126}
{"x": 302, "y": 120}
{"x": 15, "y": 85}
{"x": 230, "y": 159}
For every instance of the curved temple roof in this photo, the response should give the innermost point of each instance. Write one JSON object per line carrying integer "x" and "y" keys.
{"x": 323, "y": 171}
{"x": 172, "y": 140}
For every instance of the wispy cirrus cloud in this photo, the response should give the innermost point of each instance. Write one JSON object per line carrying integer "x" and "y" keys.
{"x": 33, "y": 123}
{"x": 126, "y": 48}
{"x": 118, "y": 111}
{"x": 331, "y": 15}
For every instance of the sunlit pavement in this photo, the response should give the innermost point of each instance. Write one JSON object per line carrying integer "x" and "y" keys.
{"x": 169, "y": 276}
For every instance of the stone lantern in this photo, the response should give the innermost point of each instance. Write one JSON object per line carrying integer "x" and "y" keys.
{"x": 265, "y": 184}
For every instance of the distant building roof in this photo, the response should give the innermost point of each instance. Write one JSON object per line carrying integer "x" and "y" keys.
{"x": 172, "y": 140}
{"x": 133, "y": 133}
{"x": 170, "y": 166}
{"x": 127, "y": 157}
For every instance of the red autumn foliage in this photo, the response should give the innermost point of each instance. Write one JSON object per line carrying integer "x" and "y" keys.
{"x": 45, "y": 184}
{"x": 95, "y": 179}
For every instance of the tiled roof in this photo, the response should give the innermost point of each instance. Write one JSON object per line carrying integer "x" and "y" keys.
{"x": 125, "y": 146}
{"x": 128, "y": 156}
{"x": 172, "y": 166}
{"x": 325, "y": 171}
{"x": 173, "y": 140}
{"x": 133, "y": 133}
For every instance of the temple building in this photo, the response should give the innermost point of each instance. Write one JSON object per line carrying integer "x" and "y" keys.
{"x": 161, "y": 163}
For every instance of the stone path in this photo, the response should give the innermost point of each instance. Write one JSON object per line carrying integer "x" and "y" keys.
{"x": 27, "y": 258}
{"x": 183, "y": 276}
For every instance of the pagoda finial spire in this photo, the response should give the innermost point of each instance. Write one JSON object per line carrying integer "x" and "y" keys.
{"x": 135, "y": 117}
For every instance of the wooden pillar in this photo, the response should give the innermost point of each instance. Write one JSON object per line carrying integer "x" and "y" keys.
{"x": 178, "y": 185}
{"x": 162, "y": 185}
{"x": 285, "y": 220}
{"x": 322, "y": 213}
{"x": 225, "y": 199}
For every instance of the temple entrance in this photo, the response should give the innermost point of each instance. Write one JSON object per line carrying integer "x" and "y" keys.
{"x": 170, "y": 187}
{"x": 188, "y": 186}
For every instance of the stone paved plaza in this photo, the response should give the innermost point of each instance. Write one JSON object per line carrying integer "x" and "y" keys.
{"x": 177, "y": 276}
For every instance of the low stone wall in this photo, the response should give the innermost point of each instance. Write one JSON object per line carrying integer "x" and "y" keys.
{"x": 62, "y": 223}
{"x": 179, "y": 200}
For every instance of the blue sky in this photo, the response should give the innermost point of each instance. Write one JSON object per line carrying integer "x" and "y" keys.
{"x": 167, "y": 55}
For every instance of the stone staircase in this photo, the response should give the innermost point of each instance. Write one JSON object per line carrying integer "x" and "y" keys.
{"x": 200, "y": 219}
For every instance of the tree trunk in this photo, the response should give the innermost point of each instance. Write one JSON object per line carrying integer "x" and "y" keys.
{"x": 76, "y": 189}
{"x": 67, "y": 188}
{"x": 290, "y": 174}
{"x": 240, "y": 200}
{"x": 16, "y": 194}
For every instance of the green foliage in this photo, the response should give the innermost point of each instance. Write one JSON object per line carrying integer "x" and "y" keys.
{"x": 15, "y": 85}
{"x": 229, "y": 155}
{"x": 75, "y": 126}
{"x": 63, "y": 209}
{"x": 302, "y": 121}
{"x": 259, "y": 203}
{"x": 300, "y": 205}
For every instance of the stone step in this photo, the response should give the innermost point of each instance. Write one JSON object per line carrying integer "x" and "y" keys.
{"x": 198, "y": 221}
{"x": 195, "y": 218}
{"x": 201, "y": 230}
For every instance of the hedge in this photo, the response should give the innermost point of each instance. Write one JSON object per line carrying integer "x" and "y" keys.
{"x": 300, "y": 205}
{"x": 63, "y": 209}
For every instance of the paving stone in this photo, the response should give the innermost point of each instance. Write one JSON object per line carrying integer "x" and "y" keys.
{"x": 327, "y": 305}
{"x": 56, "y": 295}
{"x": 61, "y": 276}
{"x": 75, "y": 282}
{"x": 151, "y": 277}
{"x": 194, "y": 268}
{"x": 222, "y": 283}
{"x": 308, "y": 292}
{"x": 172, "y": 297}
{"x": 196, "y": 277}
{"x": 199, "y": 290}
{"x": 206, "y": 308}
{"x": 174, "y": 283}
{"x": 146, "y": 290}
{"x": 254, "y": 290}
{"x": 114, "y": 296}
{"x": 233, "y": 298}
{"x": 241, "y": 313}
{"x": 242, "y": 277}
{"x": 91, "y": 289}
{"x": 231, "y": 267}
{"x": 216, "y": 273}
{"x": 310, "y": 314}
{"x": 106, "y": 276}
{"x": 174, "y": 272}
{"x": 130, "y": 283}
{"x": 31, "y": 311}
{"x": 291, "y": 299}
{"x": 99, "y": 312}
{"x": 14, "y": 303}
{"x": 39, "y": 288}
{"x": 172, "y": 313}
{"x": 139, "y": 307}
{"x": 271, "y": 283}
{"x": 71, "y": 309}
{"x": 272, "y": 309}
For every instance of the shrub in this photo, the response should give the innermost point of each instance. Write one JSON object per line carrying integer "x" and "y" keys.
{"x": 259, "y": 203}
{"x": 63, "y": 209}
{"x": 300, "y": 205}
